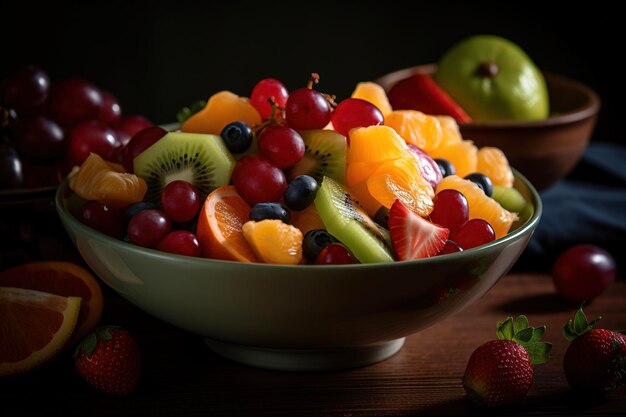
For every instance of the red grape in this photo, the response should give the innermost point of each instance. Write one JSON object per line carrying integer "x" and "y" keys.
{"x": 180, "y": 242}
{"x": 180, "y": 201}
{"x": 451, "y": 209}
{"x": 428, "y": 167}
{"x": 281, "y": 145}
{"x": 102, "y": 218}
{"x": 148, "y": 227}
{"x": 334, "y": 254}
{"x": 354, "y": 112}
{"x": 131, "y": 125}
{"x": 474, "y": 232}
{"x": 263, "y": 90}
{"x": 92, "y": 136}
{"x": 258, "y": 181}
{"x": 450, "y": 247}
{"x": 141, "y": 141}
{"x": 583, "y": 272}
{"x": 11, "y": 175}
{"x": 74, "y": 100}
{"x": 26, "y": 90}
{"x": 307, "y": 109}
{"x": 110, "y": 112}
{"x": 41, "y": 138}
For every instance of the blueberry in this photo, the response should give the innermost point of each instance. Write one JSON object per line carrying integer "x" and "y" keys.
{"x": 482, "y": 181}
{"x": 314, "y": 242}
{"x": 445, "y": 167}
{"x": 264, "y": 211}
{"x": 237, "y": 136}
{"x": 301, "y": 192}
{"x": 136, "y": 208}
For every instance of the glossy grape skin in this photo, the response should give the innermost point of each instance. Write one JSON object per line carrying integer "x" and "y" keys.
{"x": 445, "y": 167}
{"x": 583, "y": 272}
{"x": 482, "y": 181}
{"x": 334, "y": 254}
{"x": 314, "y": 241}
{"x": 180, "y": 201}
{"x": 102, "y": 218}
{"x": 180, "y": 242}
{"x": 263, "y": 90}
{"x": 91, "y": 136}
{"x": 141, "y": 141}
{"x": 110, "y": 112}
{"x": 281, "y": 145}
{"x": 11, "y": 174}
{"x": 301, "y": 192}
{"x": 148, "y": 227}
{"x": 135, "y": 208}
{"x": 450, "y": 209}
{"x": 473, "y": 233}
{"x": 73, "y": 101}
{"x": 129, "y": 126}
{"x": 355, "y": 112}
{"x": 265, "y": 211}
{"x": 257, "y": 180}
{"x": 237, "y": 137}
{"x": 429, "y": 169}
{"x": 307, "y": 109}
{"x": 41, "y": 138}
{"x": 25, "y": 90}
{"x": 450, "y": 247}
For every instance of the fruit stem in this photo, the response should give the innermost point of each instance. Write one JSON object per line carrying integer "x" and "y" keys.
{"x": 314, "y": 79}
{"x": 488, "y": 69}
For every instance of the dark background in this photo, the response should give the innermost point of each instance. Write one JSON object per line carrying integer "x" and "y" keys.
{"x": 157, "y": 57}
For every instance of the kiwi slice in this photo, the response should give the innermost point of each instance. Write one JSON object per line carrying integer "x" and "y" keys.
{"x": 324, "y": 155}
{"x": 200, "y": 159}
{"x": 346, "y": 221}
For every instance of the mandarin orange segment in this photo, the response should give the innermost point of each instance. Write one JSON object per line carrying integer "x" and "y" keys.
{"x": 493, "y": 163}
{"x": 34, "y": 328}
{"x": 274, "y": 242}
{"x": 221, "y": 109}
{"x": 415, "y": 127}
{"x": 480, "y": 205}
{"x": 375, "y": 144}
{"x": 401, "y": 180}
{"x": 107, "y": 183}
{"x": 307, "y": 219}
{"x": 64, "y": 279}
{"x": 375, "y": 94}
{"x": 463, "y": 155}
{"x": 449, "y": 130}
{"x": 357, "y": 172}
{"x": 364, "y": 199}
{"x": 219, "y": 227}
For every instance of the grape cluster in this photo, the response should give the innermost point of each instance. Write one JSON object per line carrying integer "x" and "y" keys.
{"x": 48, "y": 127}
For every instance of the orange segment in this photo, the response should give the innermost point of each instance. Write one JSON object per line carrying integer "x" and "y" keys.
{"x": 401, "y": 180}
{"x": 274, "y": 242}
{"x": 480, "y": 206}
{"x": 307, "y": 219}
{"x": 463, "y": 155}
{"x": 415, "y": 127}
{"x": 375, "y": 144}
{"x": 34, "y": 328}
{"x": 221, "y": 109}
{"x": 219, "y": 226}
{"x": 61, "y": 278}
{"x": 107, "y": 183}
{"x": 493, "y": 163}
{"x": 449, "y": 130}
{"x": 373, "y": 93}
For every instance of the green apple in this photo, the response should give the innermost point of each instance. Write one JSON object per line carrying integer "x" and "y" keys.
{"x": 493, "y": 79}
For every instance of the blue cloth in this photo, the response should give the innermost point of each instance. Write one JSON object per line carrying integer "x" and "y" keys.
{"x": 588, "y": 206}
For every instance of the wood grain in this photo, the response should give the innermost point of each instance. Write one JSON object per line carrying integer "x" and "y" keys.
{"x": 181, "y": 377}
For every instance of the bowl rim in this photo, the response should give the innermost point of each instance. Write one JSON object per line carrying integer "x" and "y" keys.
{"x": 591, "y": 107}
{"x": 531, "y": 223}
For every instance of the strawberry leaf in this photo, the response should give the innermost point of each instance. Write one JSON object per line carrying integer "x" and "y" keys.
{"x": 505, "y": 330}
{"x": 87, "y": 345}
{"x": 520, "y": 323}
{"x": 538, "y": 333}
{"x": 539, "y": 352}
{"x": 520, "y": 332}
{"x": 524, "y": 336}
{"x": 578, "y": 325}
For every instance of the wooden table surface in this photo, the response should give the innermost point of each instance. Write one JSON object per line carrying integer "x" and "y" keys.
{"x": 181, "y": 377}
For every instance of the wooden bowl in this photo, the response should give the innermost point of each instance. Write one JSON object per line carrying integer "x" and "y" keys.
{"x": 546, "y": 150}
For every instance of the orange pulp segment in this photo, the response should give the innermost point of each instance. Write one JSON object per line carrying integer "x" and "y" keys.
{"x": 274, "y": 242}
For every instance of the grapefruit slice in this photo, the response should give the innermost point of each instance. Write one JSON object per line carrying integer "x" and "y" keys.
{"x": 35, "y": 326}
{"x": 61, "y": 278}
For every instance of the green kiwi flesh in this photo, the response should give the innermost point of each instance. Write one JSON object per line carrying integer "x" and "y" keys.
{"x": 345, "y": 220}
{"x": 324, "y": 155}
{"x": 200, "y": 159}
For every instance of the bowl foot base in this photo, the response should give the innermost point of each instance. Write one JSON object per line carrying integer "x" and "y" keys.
{"x": 306, "y": 359}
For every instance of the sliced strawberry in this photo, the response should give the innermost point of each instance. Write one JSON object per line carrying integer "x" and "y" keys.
{"x": 420, "y": 92}
{"x": 412, "y": 236}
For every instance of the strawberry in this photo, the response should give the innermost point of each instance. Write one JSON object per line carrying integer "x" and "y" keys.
{"x": 500, "y": 372}
{"x": 412, "y": 236}
{"x": 420, "y": 92}
{"x": 595, "y": 360}
{"x": 110, "y": 360}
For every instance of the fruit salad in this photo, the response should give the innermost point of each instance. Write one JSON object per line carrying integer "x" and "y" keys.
{"x": 295, "y": 177}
